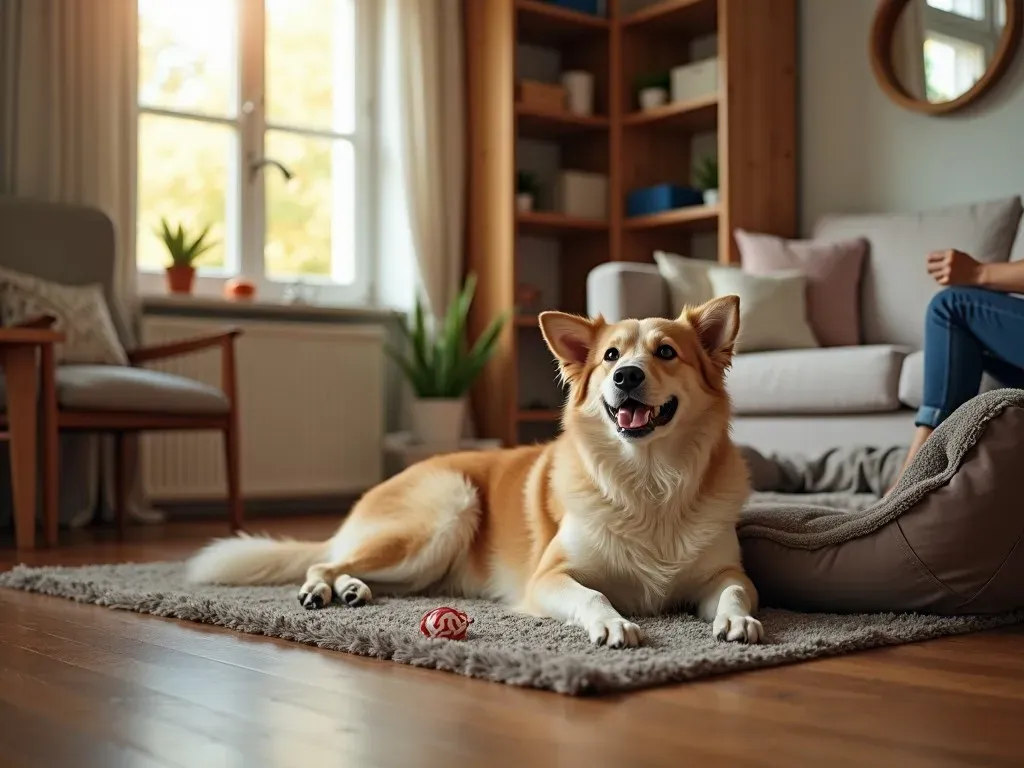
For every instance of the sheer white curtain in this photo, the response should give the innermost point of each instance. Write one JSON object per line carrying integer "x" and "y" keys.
{"x": 422, "y": 149}
{"x": 67, "y": 134}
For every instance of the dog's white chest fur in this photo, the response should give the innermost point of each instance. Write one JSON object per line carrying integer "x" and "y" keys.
{"x": 645, "y": 563}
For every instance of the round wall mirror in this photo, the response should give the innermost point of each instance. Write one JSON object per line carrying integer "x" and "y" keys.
{"x": 937, "y": 56}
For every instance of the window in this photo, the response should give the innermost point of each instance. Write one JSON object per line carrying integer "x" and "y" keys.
{"x": 253, "y": 118}
{"x": 960, "y": 38}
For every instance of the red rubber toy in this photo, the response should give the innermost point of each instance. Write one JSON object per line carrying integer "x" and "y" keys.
{"x": 446, "y": 623}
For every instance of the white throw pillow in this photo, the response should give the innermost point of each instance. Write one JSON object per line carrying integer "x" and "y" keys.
{"x": 773, "y": 308}
{"x": 81, "y": 311}
{"x": 687, "y": 279}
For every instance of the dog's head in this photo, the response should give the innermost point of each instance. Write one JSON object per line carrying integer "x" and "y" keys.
{"x": 640, "y": 381}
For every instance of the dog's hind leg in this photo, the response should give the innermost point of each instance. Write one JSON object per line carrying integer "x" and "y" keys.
{"x": 402, "y": 540}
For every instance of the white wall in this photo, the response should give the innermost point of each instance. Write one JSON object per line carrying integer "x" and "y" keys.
{"x": 860, "y": 152}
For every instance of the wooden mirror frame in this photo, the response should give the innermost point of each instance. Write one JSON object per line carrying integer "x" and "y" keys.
{"x": 882, "y": 29}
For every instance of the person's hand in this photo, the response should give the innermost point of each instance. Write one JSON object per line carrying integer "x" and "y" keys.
{"x": 953, "y": 267}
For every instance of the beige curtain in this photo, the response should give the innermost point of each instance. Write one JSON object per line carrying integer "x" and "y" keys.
{"x": 68, "y": 133}
{"x": 422, "y": 149}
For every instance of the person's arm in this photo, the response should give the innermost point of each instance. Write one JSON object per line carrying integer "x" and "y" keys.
{"x": 953, "y": 267}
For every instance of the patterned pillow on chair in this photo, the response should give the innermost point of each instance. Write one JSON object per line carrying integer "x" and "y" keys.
{"x": 81, "y": 311}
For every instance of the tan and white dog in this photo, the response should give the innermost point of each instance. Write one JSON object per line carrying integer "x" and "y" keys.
{"x": 630, "y": 511}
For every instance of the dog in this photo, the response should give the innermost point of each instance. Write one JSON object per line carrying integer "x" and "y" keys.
{"x": 631, "y": 511}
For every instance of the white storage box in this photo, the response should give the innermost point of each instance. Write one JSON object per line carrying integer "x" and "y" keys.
{"x": 695, "y": 80}
{"x": 583, "y": 194}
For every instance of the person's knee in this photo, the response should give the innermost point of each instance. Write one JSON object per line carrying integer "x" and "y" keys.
{"x": 948, "y": 302}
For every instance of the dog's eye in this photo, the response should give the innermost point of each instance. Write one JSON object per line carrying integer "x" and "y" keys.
{"x": 665, "y": 352}
{"x": 612, "y": 354}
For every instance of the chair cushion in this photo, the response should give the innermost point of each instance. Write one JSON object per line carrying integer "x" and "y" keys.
{"x": 138, "y": 390}
{"x": 862, "y": 379}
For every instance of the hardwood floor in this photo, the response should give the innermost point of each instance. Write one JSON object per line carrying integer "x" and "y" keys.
{"x": 84, "y": 686}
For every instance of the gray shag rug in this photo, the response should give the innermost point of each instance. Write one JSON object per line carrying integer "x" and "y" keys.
{"x": 501, "y": 646}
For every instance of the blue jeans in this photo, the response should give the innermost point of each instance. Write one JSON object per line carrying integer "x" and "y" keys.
{"x": 969, "y": 331}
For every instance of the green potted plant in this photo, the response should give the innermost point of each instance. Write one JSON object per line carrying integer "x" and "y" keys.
{"x": 706, "y": 176}
{"x": 527, "y": 187}
{"x": 441, "y": 365}
{"x": 652, "y": 89}
{"x": 184, "y": 251}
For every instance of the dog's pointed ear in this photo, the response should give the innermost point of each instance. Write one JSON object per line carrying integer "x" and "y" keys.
{"x": 569, "y": 337}
{"x": 717, "y": 323}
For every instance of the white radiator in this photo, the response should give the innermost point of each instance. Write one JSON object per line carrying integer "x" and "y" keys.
{"x": 312, "y": 411}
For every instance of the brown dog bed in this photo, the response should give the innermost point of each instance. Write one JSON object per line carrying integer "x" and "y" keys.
{"x": 946, "y": 541}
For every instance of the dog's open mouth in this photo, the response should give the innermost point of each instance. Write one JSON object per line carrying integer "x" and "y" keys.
{"x": 636, "y": 419}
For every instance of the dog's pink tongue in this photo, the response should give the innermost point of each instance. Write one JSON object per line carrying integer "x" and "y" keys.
{"x": 635, "y": 418}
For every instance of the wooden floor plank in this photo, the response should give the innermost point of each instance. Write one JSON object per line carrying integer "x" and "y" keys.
{"x": 84, "y": 686}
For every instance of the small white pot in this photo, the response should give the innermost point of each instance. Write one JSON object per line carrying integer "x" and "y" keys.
{"x": 438, "y": 421}
{"x": 524, "y": 202}
{"x": 710, "y": 197}
{"x": 651, "y": 98}
{"x": 579, "y": 89}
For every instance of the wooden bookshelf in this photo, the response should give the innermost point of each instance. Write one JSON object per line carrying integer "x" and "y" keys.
{"x": 749, "y": 124}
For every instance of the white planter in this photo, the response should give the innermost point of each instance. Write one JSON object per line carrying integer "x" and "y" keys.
{"x": 438, "y": 421}
{"x": 579, "y": 91}
{"x": 651, "y": 98}
{"x": 710, "y": 196}
{"x": 524, "y": 202}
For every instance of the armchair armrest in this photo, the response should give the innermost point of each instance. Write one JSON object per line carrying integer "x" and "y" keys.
{"x": 35, "y": 336}
{"x": 184, "y": 347}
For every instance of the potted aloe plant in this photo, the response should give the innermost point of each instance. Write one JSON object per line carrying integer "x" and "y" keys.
{"x": 441, "y": 365}
{"x": 183, "y": 250}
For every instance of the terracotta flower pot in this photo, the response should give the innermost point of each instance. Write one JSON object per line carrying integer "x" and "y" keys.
{"x": 180, "y": 278}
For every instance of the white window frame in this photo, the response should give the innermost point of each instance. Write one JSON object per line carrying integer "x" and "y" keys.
{"x": 985, "y": 32}
{"x": 246, "y": 194}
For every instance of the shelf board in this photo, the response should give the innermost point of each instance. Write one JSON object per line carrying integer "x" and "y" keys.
{"x": 535, "y": 124}
{"x": 690, "y": 17}
{"x": 526, "y": 321}
{"x": 694, "y": 115}
{"x": 543, "y": 23}
{"x": 538, "y": 415}
{"x": 699, "y": 218}
{"x": 553, "y": 224}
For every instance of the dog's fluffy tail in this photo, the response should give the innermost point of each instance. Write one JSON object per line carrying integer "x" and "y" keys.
{"x": 244, "y": 560}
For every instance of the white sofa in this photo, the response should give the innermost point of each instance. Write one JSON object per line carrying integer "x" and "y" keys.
{"x": 811, "y": 400}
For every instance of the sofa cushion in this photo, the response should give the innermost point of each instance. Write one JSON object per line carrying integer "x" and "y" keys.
{"x": 912, "y": 381}
{"x": 833, "y": 279}
{"x": 896, "y": 287}
{"x": 862, "y": 379}
{"x": 138, "y": 390}
{"x": 773, "y": 308}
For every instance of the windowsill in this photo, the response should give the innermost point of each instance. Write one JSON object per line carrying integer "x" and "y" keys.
{"x": 265, "y": 307}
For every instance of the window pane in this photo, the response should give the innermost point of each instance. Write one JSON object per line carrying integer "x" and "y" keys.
{"x": 952, "y": 66}
{"x": 188, "y": 51}
{"x": 185, "y": 174}
{"x": 310, "y": 219}
{"x": 971, "y": 9}
{"x": 310, "y": 64}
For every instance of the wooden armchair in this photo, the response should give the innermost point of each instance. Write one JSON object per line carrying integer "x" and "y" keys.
{"x": 76, "y": 245}
{"x": 19, "y": 411}
{"x": 121, "y": 400}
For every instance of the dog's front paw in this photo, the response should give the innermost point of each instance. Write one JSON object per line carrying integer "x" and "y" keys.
{"x": 615, "y": 632}
{"x": 737, "y": 629}
{"x": 352, "y": 592}
{"x": 315, "y": 594}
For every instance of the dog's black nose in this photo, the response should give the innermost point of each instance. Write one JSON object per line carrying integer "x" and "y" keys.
{"x": 628, "y": 378}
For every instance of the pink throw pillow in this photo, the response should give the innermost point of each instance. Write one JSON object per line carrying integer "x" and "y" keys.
{"x": 833, "y": 271}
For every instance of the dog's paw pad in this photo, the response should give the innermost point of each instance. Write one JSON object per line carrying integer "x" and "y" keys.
{"x": 738, "y": 629}
{"x": 314, "y": 595}
{"x": 352, "y": 592}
